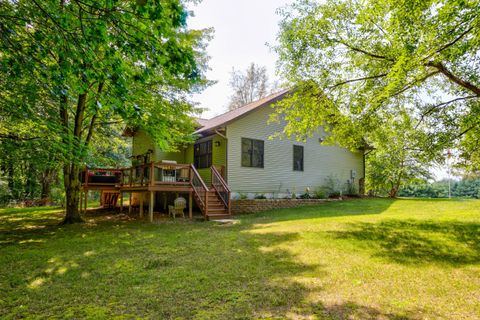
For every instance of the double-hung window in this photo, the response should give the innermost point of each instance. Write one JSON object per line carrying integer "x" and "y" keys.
{"x": 252, "y": 153}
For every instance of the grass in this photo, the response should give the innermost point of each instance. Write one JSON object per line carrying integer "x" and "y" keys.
{"x": 360, "y": 259}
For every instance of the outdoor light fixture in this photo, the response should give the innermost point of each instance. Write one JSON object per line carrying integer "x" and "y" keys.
{"x": 217, "y": 143}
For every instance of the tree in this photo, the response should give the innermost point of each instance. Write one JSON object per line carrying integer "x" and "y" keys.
{"x": 400, "y": 153}
{"x": 348, "y": 60}
{"x": 86, "y": 63}
{"x": 248, "y": 86}
{"x": 469, "y": 146}
{"x": 25, "y": 159}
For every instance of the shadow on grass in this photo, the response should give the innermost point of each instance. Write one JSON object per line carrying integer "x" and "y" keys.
{"x": 23, "y": 225}
{"x": 170, "y": 270}
{"x": 419, "y": 241}
{"x": 134, "y": 269}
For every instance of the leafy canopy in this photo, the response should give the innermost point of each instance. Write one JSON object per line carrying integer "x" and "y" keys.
{"x": 130, "y": 60}
{"x": 356, "y": 65}
{"x": 371, "y": 55}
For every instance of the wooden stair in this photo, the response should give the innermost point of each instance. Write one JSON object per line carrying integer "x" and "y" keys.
{"x": 110, "y": 199}
{"x": 213, "y": 201}
{"x": 216, "y": 208}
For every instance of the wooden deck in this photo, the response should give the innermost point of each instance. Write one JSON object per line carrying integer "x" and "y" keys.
{"x": 146, "y": 180}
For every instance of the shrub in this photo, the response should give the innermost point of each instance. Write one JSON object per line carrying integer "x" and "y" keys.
{"x": 260, "y": 196}
{"x": 351, "y": 189}
{"x": 321, "y": 193}
{"x": 306, "y": 195}
{"x": 332, "y": 186}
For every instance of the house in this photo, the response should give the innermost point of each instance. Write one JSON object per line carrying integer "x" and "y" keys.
{"x": 238, "y": 143}
{"x": 233, "y": 157}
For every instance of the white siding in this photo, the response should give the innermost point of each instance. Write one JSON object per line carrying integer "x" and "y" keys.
{"x": 278, "y": 175}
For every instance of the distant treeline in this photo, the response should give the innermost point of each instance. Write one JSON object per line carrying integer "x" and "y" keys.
{"x": 468, "y": 188}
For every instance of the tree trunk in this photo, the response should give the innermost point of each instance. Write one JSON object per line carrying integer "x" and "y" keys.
{"x": 47, "y": 179}
{"x": 396, "y": 186}
{"x": 71, "y": 169}
{"x": 45, "y": 199}
{"x": 30, "y": 184}
{"x": 11, "y": 179}
{"x": 72, "y": 194}
{"x": 393, "y": 192}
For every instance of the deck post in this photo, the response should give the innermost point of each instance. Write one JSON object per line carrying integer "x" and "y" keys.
{"x": 86, "y": 201}
{"x": 121, "y": 201}
{"x": 141, "y": 204}
{"x": 130, "y": 203}
{"x": 190, "y": 203}
{"x": 150, "y": 207}
{"x": 152, "y": 174}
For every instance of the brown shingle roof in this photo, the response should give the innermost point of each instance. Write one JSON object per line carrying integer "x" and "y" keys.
{"x": 234, "y": 114}
{"x": 201, "y": 122}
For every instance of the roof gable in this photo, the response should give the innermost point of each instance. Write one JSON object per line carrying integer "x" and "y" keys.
{"x": 233, "y": 115}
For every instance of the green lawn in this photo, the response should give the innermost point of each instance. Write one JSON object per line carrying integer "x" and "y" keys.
{"x": 362, "y": 259}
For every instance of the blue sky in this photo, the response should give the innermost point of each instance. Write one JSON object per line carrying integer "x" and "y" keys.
{"x": 242, "y": 29}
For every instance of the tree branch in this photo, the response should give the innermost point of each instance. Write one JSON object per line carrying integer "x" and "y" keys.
{"x": 94, "y": 117}
{"x": 463, "y": 83}
{"x": 373, "y": 55}
{"x": 358, "y": 79}
{"x": 426, "y": 113}
{"x": 11, "y": 136}
{"x": 450, "y": 43}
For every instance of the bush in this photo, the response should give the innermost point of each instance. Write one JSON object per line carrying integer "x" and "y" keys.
{"x": 306, "y": 195}
{"x": 351, "y": 189}
{"x": 260, "y": 196}
{"x": 332, "y": 186}
{"x": 334, "y": 194}
{"x": 321, "y": 193}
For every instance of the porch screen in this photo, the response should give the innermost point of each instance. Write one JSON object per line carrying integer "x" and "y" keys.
{"x": 252, "y": 153}
{"x": 202, "y": 154}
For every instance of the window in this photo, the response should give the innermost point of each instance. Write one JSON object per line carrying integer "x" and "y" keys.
{"x": 252, "y": 153}
{"x": 298, "y": 158}
{"x": 202, "y": 154}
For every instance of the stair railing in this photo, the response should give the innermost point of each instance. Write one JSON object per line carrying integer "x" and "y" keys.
{"x": 221, "y": 187}
{"x": 200, "y": 189}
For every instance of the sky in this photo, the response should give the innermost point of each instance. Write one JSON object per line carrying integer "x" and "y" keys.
{"x": 242, "y": 30}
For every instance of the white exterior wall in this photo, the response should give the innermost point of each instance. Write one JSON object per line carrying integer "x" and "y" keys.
{"x": 278, "y": 175}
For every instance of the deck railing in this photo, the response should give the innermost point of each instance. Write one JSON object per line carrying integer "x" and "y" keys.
{"x": 200, "y": 189}
{"x": 136, "y": 176}
{"x": 221, "y": 187}
{"x": 101, "y": 176}
{"x": 155, "y": 173}
{"x": 164, "y": 173}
